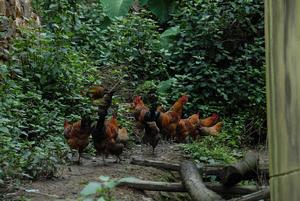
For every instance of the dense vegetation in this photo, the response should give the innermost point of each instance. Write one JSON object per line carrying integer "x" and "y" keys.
{"x": 211, "y": 50}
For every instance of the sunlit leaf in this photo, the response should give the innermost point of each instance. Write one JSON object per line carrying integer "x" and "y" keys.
{"x": 116, "y": 8}
{"x": 91, "y": 188}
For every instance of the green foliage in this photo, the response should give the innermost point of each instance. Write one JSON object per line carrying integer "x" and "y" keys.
{"x": 116, "y": 8}
{"x": 211, "y": 50}
{"x": 225, "y": 148}
{"x": 219, "y": 54}
{"x": 214, "y": 153}
{"x": 40, "y": 87}
{"x": 132, "y": 44}
{"x": 162, "y": 9}
{"x": 101, "y": 191}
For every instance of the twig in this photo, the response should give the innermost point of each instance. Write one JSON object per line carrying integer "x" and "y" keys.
{"x": 262, "y": 194}
{"x": 39, "y": 193}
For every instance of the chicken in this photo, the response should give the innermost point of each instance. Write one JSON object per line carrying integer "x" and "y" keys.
{"x": 105, "y": 138}
{"x": 111, "y": 128}
{"x": 139, "y": 111}
{"x": 167, "y": 121}
{"x": 122, "y": 136}
{"x": 160, "y": 108}
{"x": 178, "y": 105}
{"x": 187, "y": 127}
{"x": 77, "y": 134}
{"x": 97, "y": 92}
{"x": 147, "y": 119}
{"x": 209, "y": 121}
{"x": 99, "y": 138}
{"x": 98, "y": 131}
{"x": 113, "y": 147}
{"x": 151, "y": 135}
{"x": 213, "y": 130}
{"x": 116, "y": 150}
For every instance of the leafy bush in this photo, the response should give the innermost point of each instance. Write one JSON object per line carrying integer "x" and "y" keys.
{"x": 219, "y": 53}
{"x": 132, "y": 44}
{"x": 40, "y": 87}
{"x": 224, "y": 148}
{"x": 102, "y": 191}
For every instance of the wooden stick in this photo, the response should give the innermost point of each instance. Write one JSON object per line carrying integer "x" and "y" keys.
{"x": 244, "y": 169}
{"x": 156, "y": 164}
{"x": 215, "y": 170}
{"x": 153, "y": 185}
{"x": 234, "y": 190}
{"x": 194, "y": 185}
{"x": 111, "y": 90}
{"x": 178, "y": 187}
{"x": 262, "y": 194}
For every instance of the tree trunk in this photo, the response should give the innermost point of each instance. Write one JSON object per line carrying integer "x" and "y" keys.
{"x": 244, "y": 169}
{"x": 207, "y": 170}
{"x": 178, "y": 187}
{"x": 194, "y": 185}
{"x": 153, "y": 185}
{"x": 262, "y": 194}
{"x": 156, "y": 164}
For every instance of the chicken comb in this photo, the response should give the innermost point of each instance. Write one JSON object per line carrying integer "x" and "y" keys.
{"x": 184, "y": 99}
{"x": 115, "y": 115}
{"x": 136, "y": 99}
{"x": 215, "y": 115}
{"x": 66, "y": 123}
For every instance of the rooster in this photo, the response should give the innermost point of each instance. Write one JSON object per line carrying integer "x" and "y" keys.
{"x": 140, "y": 109}
{"x": 122, "y": 136}
{"x": 167, "y": 121}
{"x": 98, "y": 131}
{"x": 77, "y": 134}
{"x": 213, "y": 130}
{"x": 209, "y": 121}
{"x": 111, "y": 129}
{"x": 146, "y": 119}
{"x": 99, "y": 138}
{"x": 115, "y": 149}
{"x": 187, "y": 127}
{"x": 97, "y": 92}
{"x": 151, "y": 135}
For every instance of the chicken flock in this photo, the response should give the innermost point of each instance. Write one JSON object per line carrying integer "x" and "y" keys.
{"x": 110, "y": 139}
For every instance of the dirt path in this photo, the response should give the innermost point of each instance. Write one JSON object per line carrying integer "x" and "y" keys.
{"x": 73, "y": 178}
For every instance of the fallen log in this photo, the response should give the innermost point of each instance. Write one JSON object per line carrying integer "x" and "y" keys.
{"x": 262, "y": 194}
{"x": 178, "y": 187}
{"x": 207, "y": 170}
{"x": 234, "y": 190}
{"x": 156, "y": 164}
{"x": 153, "y": 185}
{"x": 242, "y": 170}
{"x": 194, "y": 185}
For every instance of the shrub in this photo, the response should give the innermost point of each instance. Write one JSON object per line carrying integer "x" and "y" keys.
{"x": 132, "y": 44}
{"x": 219, "y": 53}
{"x": 40, "y": 87}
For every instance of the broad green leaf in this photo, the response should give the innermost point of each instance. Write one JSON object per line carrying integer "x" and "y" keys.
{"x": 88, "y": 199}
{"x": 104, "y": 178}
{"x": 110, "y": 184}
{"x": 162, "y": 9}
{"x": 127, "y": 179}
{"x": 173, "y": 31}
{"x": 116, "y": 8}
{"x": 91, "y": 188}
{"x": 4, "y": 130}
{"x": 101, "y": 199}
{"x": 165, "y": 85}
{"x": 143, "y": 2}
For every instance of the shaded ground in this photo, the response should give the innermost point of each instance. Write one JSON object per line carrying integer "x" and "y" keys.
{"x": 73, "y": 178}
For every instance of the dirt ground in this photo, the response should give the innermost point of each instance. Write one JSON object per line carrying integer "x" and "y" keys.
{"x": 73, "y": 178}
